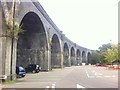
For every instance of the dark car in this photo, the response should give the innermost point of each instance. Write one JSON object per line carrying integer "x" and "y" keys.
{"x": 20, "y": 71}
{"x": 34, "y": 68}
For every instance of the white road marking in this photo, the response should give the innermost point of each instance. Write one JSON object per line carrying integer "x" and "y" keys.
{"x": 107, "y": 76}
{"x": 87, "y": 73}
{"x": 97, "y": 73}
{"x": 93, "y": 71}
{"x": 53, "y": 86}
{"x": 18, "y": 83}
{"x": 113, "y": 76}
{"x": 91, "y": 76}
{"x": 98, "y": 76}
{"x": 47, "y": 86}
{"x": 79, "y": 86}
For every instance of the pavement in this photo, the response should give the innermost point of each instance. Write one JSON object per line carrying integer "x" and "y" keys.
{"x": 69, "y": 77}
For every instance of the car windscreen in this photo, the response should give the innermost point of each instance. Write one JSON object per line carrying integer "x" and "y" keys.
{"x": 21, "y": 69}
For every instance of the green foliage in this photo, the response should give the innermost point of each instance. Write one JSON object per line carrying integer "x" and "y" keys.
{"x": 11, "y": 26}
{"x": 111, "y": 55}
{"x": 107, "y": 53}
{"x": 104, "y": 47}
{"x": 96, "y": 57}
{"x": 16, "y": 31}
{"x": 8, "y": 82}
{"x": 13, "y": 30}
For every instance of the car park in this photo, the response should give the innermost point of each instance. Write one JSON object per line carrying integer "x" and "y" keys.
{"x": 34, "y": 68}
{"x": 20, "y": 72}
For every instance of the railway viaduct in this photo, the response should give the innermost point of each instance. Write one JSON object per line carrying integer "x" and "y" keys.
{"x": 41, "y": 43}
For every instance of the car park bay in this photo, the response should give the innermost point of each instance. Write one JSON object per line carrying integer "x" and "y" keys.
{"x": 70, "y": 77}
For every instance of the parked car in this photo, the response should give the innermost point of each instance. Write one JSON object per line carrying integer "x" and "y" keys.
{"x": 20, "y": 71}
{"x": 98, "y": 64}
{"x": 102, "y": 65}
{"x": 34, "y": 68}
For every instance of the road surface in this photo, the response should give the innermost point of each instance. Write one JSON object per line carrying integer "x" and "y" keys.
{"x": 70, "y": 77}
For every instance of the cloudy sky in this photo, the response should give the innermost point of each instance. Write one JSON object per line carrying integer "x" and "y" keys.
{"x": 89, "y": 23}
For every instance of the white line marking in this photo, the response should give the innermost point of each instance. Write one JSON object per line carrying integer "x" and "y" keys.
{"x": 98, "y": 76}
{"x": 95, "y": 74}
{"x": 87, "y": 73}
{"x": 93, "y": 71}
{"x": 17, "y": 83}
{"x": 91, "y": 76}
{"x": 113, "y": 76}
{"x": 47, "y": 86}
{"x": 107, "y": 76}
{"x": 53, "y": 86}
{"x": 79, "y": 86}
{"x": 98, "y": 73}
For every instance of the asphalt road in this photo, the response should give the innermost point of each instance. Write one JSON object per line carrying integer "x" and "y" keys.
{"x": 70, "y": 77}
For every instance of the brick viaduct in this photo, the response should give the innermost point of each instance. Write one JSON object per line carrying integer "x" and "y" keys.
{"x": 41, "y": 43}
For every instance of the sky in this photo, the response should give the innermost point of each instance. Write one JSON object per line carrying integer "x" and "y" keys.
{"x": 88, "y": 23}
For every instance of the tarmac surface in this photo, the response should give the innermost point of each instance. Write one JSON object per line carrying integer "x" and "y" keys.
{"x": 69, "y": 77}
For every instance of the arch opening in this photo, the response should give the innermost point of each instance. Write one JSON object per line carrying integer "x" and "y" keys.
{"x": 66, "y": 55}
{"x": 78, "y": 59}
{"x": 89, "y": 58}
{"x": 72, "y": 56}
{"x": 32, "y": 44}
{"x": 83, "y": 57}
{"x": 55, "y": 52}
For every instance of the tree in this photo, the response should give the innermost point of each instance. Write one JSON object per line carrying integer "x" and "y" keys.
{"x": 11, "y": 26}
{"x": 96, "y": 57}
{"x": 111, "y": 55}
{"x": 104, "y": 47}
{"x": 107, "y": 53}
{"x": 12, "y": 29}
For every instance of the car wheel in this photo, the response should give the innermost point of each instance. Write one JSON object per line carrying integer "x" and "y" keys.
{"x": 33, "y": 71}
{"x": 23, "y": 75}
{"x": 19, "y": 76}
{"x": 37, "y": 71}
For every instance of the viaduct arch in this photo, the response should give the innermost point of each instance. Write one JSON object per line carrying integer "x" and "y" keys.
{"x": 72, "y": 56}
{"x": 78, "y": 58}
{"x": 66, "y": 55}
{"x": 33, "y": 43}
{"x": 41, "y": 43}
{"x": 55, "y": 52}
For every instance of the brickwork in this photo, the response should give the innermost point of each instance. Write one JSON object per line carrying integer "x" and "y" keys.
{"x": 40, "y": 47}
